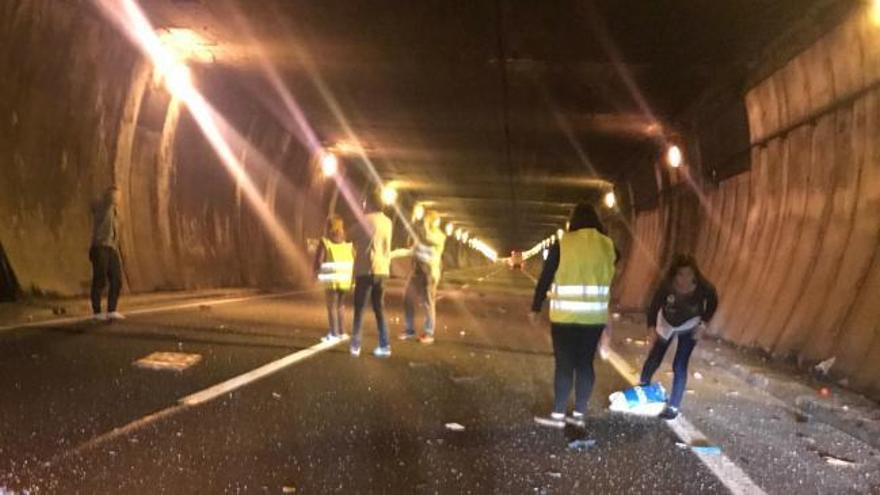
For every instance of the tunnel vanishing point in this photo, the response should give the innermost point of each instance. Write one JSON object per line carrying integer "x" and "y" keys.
{"x": 210, "y": 117}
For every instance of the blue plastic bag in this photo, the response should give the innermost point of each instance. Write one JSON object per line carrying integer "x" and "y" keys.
{"x": 649, "y": 400}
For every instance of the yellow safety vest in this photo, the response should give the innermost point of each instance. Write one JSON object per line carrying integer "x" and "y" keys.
{"x": 336, "y": 270}
{"x": 582, "y": 286}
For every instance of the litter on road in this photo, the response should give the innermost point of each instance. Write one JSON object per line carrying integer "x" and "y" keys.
{"x": 454, "y": 427}
{"x": 582, "y": 445}
{"x": 838, "y": 461}
{"x": 825, "y": 366}
{"x": 171, "y": 361}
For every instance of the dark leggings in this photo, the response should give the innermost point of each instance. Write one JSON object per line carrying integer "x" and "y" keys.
{"x": 105, "y": 266}
{"x": 574, "y": 347}
{"x": 686, "y": 344}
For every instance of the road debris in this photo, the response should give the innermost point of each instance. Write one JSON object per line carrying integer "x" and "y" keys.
{"x": 825, "y": 366}
{"x": 454, "y": 427}
{"x": 554, "y": 474}
{"x": 288, "y": 489}
{"x": 698, "y": 375}
{"x": 171, "y": 361}
{"x": 838, "y": 461}
{"x": 582, "y": 445}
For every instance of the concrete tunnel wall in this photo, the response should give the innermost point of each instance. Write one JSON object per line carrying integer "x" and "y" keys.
{"x": 81, "y": 111}
{"x": 793, "y": 244}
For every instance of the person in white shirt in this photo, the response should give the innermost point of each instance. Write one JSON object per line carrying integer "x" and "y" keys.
{"x": 372, "y": 265}
{"x": 427, "y": 253}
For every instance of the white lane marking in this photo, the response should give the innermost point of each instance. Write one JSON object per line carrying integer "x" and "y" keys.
{"x": 731, "y": 475}
{"x": 159, "y": 309}
{"x": 254, "y": 375}
{"x": 198, "y": 398}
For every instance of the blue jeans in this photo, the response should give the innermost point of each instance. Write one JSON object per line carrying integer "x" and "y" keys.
{"x": 686, "y": 344}
{"x": 423, "y": 288}
{"x": 374, "y": 287}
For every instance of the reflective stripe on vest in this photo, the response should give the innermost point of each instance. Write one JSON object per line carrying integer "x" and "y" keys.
{"x": 336, "y": 271}
{"x": 582, "y": 285}
{"x": 424, "y": 253}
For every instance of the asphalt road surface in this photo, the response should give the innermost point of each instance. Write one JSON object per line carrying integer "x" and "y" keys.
{"x": 78, "y": 417}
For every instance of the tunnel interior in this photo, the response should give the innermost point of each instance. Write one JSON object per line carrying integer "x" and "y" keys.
{"x": 500, "y": 115}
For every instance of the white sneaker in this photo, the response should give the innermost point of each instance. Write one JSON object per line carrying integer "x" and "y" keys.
{"x": 330, "y": 338}
{"x": 382, "y": 352}
{"x": 100, "y": 317}
{"x": 116, "y": 315}
{"x": 576, "y": 419}
{"x": 354, "y": 351}
{"x": 555, "y": 420}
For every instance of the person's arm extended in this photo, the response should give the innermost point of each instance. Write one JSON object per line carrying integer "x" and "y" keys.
{"x": 548, "y": 273}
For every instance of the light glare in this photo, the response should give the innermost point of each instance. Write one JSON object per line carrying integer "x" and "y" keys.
{"x": 418, "y": 212}
{"x": 389, "y": 195}
{"x": 610, "y": 199}
{"x": 674, "y": 156}
{"x": 329, "y": 164}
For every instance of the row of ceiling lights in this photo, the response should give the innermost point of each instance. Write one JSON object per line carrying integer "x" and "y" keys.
{"x": 330, "y": 167}
{"x": 674, "y": 159}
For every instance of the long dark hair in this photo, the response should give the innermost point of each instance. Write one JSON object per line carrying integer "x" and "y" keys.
{"x": 680, "y": 261}
{"x": 584, "y": 216}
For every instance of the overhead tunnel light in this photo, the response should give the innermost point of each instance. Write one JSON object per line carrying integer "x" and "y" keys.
{"x": 560, "y": 233}
{"x": 329, "y": 164}
{"x": 418, "y": 212}
{"x": 874, "y": 12}
{"x": 389, "y": 195}
{"x": 610, "y": 200}
{"x": 449, "y": 229}
{"x": 674, "y": 156}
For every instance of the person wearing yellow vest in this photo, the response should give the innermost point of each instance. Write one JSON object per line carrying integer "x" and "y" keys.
{"x": 577, "y": 278}
{"x": 427, "y": 253}
{"x": 334, "y": 262}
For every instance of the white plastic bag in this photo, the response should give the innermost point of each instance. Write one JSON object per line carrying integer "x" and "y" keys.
{"x": 649, "y": 400}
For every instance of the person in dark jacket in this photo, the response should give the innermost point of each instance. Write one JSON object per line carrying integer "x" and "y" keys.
{"x": 680, "y": 309}
{"x": 104, "y": 255}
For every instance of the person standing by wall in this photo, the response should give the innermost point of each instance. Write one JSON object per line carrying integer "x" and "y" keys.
{"x": 372, "y": 265}
{"x": 578, "y": 274}
{"x": 427, "y": 252}
{"x": 334, "y": 265}
{"x": 682, "y": 306}
{"x": 104, "y": 255}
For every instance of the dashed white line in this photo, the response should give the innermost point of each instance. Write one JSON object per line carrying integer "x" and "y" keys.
{"x": 202, "y": 397}
{"x": 254, "y": 375}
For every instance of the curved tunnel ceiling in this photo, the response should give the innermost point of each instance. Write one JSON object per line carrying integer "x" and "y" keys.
{"x": 501, "y": 114}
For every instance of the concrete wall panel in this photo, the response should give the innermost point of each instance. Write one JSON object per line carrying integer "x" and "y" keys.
{"x": 81, "y": 110}
{"x": 796, "y": 256}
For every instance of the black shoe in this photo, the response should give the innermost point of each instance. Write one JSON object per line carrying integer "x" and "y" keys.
{"x": 669, "y": 413}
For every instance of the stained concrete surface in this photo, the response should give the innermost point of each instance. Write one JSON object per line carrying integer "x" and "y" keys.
{"x": 338, "y": 424}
